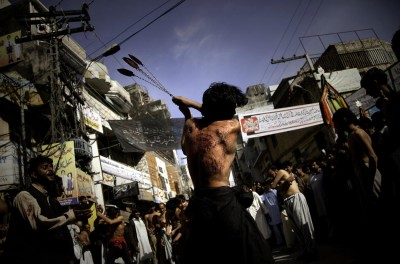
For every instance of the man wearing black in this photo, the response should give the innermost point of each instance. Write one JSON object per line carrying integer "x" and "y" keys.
{"x": 220, "y": 229}
{"x": 38, "y": 230}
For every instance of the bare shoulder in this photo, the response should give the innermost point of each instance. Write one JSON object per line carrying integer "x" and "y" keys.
{"x": 227, "y": 125}
{"x": 282, "y": 174}
{"x": 360, "y": 134}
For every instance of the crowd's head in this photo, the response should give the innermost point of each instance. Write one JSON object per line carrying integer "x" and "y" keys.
{"x": 41, "y": 171}
{"x": 112, "y": 211}
{"x": 37, "y": 164}
{"x": 344, "y": 117}
{"x": 374, "y": 82}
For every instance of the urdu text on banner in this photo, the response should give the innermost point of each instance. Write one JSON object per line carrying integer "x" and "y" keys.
{"x": 279, "y": 120}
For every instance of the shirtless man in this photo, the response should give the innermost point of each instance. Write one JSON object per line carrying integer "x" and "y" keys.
{"x": 117, "y": 246}
{"x": 220, "y": 230}
{"x": 149, "y": 220}
{"x": 367, "y": 189}
{"x": 376, "y": 83}
{"x": 364, "y": 159}
{"x": 297, "y": 210}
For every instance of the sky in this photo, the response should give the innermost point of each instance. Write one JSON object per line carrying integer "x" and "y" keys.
{"x": 186, "y": 45}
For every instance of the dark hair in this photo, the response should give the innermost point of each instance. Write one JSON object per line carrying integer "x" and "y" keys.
{"x": 173, "y": 203}
{"x": 36, "y": 161}
{"x": 181, "y": 197}
{"x": 297, "y": 166}
{"x": 132, "y": 215}
{"x": 370, "y": 80}
{"x": 344, "y": 116}
{"x": 374, "y": 74}
{"x": 220, "y": 101}
{"x": 365, "y": 123}
{"x": 112, "y": 211}
{"x": 268, "y": 181}
{"x": 378, "y": 120}
{"x": 287, "y": 163}
{"x": 273, "y": 167}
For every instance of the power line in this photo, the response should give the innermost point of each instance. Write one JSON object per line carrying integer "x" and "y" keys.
{"x": 291, "y": 38}
{"x": 280, "y": 41}
{"x": 305, "y": 32}
{"x": 154, "y": 20}
{"x": 298, "y": 24}
{"x": 126, "y": 29}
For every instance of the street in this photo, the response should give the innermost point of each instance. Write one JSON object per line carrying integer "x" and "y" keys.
{"x": 330, "y": 253}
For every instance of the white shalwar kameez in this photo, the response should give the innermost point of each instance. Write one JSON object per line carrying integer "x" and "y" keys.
{"x": 143, "y": 241}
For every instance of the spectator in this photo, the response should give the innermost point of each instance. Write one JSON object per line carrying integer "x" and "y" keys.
{"x": 38, "y": 230}
{"x": 297, "y": 210}
{"x": 260, "y": 214}
{"x": 367, "y": 181}
{"x": 138, "y": 239}
{"x": 270, "y": 200}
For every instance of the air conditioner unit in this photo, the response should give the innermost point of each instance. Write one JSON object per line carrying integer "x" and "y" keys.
{"x": 83, "y": 150}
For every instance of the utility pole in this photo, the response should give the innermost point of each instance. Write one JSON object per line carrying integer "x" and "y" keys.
{"x": 56, "y": 23}
{"x": 305, "y": 56}
{"x": 301, "y": 76}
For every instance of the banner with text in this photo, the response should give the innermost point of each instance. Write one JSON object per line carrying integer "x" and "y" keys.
{"x": 121, "y": 170}
{"x": 149, "y": 134}
{"x": 279, "y": 120}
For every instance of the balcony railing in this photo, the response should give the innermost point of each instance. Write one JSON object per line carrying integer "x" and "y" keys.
{"x": 358, "y": 59}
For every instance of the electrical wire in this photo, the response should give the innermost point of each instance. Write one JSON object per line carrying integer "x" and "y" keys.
{"x": 290, "y": 41}
{"x": 305, "y": 32}
{"x": 151, "y": 22}
{"x": 116, "y": 145}
{"x": 280, "y": 41}
{"x": 311, "y": 22}
{"x": 297, "y": 26}
{"x": 126, "y": 29}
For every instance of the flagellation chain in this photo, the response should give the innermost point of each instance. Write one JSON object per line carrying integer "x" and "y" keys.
{"x": 136, "y": 64}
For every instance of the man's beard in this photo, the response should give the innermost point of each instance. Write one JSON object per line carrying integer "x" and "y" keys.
{"x": 53, "y": 187}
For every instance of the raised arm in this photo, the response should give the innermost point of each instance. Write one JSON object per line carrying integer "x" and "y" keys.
{"x": 184, "y": 105}
{"x": 119, "y": 219}
{"x": 282, "y": 177}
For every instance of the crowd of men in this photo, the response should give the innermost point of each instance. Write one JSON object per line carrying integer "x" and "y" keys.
{"x": 350, "y": 193}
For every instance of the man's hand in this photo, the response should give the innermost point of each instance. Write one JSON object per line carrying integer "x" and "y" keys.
{"x": 184, "y": 102}
{"x": 84, "y": 213}
{"x": 178, "y": 100}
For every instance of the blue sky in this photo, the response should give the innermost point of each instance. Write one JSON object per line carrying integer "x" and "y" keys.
{"x": 203, "y": 41}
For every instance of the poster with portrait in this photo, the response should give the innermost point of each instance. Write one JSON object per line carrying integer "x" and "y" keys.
{"x": 85, "y": 183}
{"x": 10, "y": 50}
{"x": 63, "y": 156}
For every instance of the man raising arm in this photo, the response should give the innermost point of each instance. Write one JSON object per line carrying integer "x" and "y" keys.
{"x": 220, "y": 229}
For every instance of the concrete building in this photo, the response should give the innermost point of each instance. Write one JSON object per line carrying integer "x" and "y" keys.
{"x": 342, "y": 65}
{"x": 51, "y": 93}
